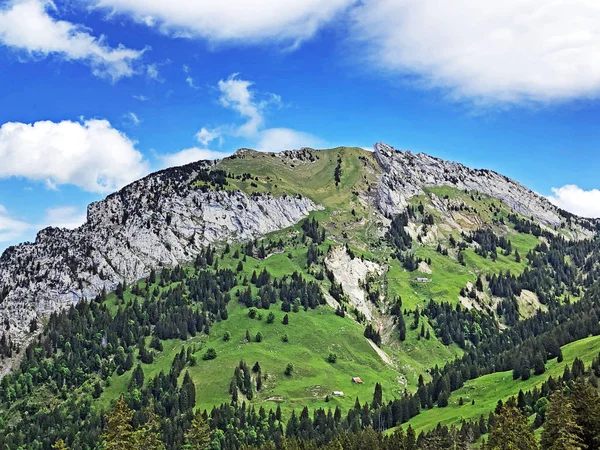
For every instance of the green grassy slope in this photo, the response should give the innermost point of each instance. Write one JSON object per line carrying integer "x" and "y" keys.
{"x": 488, "y": 389}
{"x": 314, "y": 334}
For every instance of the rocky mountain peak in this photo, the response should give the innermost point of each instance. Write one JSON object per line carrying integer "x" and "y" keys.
{"x": 406, "y": 174}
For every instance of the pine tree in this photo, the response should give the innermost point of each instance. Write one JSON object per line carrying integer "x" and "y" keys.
{"x": 60, "y": 445}
{"x": 512, "y": 431}
{"x": 561, "y": 431}
{"x": 119, "y": 434}
{"x": 586, "y": 404}
{"x": 137, "y": 378}
{"x": 187, "y": 398}
{"x": 198, "y": 435}
{"x": 401, "y": 327}
{"x": 411, "y": 439}
{"x": 147, "y": 437}
{"x": 377, "y": 397}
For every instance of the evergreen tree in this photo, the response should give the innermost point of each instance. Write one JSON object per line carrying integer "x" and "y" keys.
{"x": 147, "y": 436}
{"x": 561, "y": 431}
{"x": 512, "y": 431}
{"x": 377, "y": 397}
{"x": 137, "y": 378}
{"x": 198, "y": 436}
{"x": 187, "y": 397}
{"x": 586, "y": 405}
{"x": 119, "y": 434}
{"x": 60, "y": 445}
{"x": 401, "y": 327}
{"x": 411, "y": 440}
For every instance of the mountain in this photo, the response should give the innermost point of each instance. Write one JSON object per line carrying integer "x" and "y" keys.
{"x": 167, "y": 217}
{"x": 426, "y": 280}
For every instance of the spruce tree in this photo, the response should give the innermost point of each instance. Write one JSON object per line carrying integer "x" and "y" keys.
{"x": 147, "y": 436}
{"x": 586, "y": 405}
{"x": 561, "y": 431}
{"x": 511, "y": 431}
{"x": 198, "y": 435}
{"x": 60, "y": 445}
{"x": 119, "y": 434}
{"x": 377, "y": 397}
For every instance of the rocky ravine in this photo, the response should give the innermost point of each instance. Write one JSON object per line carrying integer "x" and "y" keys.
{"x": 406, "y": 174}
{"x": 159, "y": 220}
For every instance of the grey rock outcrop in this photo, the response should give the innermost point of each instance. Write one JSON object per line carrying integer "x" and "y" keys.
{"x": 405, "y": 174}
{"x": 163, "y": 219}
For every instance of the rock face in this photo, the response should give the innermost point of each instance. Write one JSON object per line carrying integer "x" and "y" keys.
{"x": 351, "y": 273}
{"x": 163, "y": 219}
{"x": 405, "y": 174}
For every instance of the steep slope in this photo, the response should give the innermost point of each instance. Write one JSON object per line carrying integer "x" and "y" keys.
{"x": 407, "y": 174}
{"x": 163, "y": 219}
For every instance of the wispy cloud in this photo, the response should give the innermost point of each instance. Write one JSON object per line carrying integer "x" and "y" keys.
{"x": 133, "y": 117}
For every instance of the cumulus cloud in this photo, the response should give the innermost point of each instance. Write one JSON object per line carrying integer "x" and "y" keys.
{"x": 243, "y": 21}
{"x": 236, "y": 94}
{"x": 152, "y": 72}
{"x": 190, "y": 81}
{"x": 488, "y": 51}
{"x": 26, "y": 25}
{"x": 576, "y": 200}
{"x": 91, "y": 154}
{"x": 190, "y": 155}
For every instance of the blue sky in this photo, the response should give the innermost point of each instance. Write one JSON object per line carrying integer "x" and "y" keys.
{"x": 97, "y": 93}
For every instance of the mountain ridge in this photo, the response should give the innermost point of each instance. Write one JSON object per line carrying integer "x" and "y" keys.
{"x": 166, "y": 217}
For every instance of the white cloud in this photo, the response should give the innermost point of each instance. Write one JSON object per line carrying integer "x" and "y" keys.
{"x": 278, "y": 139}
{"x": 133, "y": 117}
{"x": 91, "y": 154}
{"x": 190, "y": 82}
{"x": 64, "y": 217}
{"x": 236, "y": 94}
{"x": 26, "y": 25}
{"x": 189, "y": 155}
{"x": 487, "y": 51}
{"x": 206, "y": 136}
{"x": 576, "y": 200}
{"x": 141, "y": 98}
{"x": 245, "y": 21}
{"x": 11, "y": 228}
{"x": 152, "y": 72}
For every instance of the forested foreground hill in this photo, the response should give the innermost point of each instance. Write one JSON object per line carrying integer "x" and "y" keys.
{"x": 306, "y": 299}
